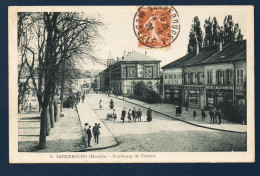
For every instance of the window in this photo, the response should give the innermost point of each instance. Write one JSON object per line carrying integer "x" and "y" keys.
{"x": 240, "y": 76}
{"x": 186, "y": 78}
{"x": 220, "y": 77}
{"x": 192, "y": 78}
{"x": 124, "y": 72}
{"x": 199, "y": 78}
{"x": 179, "y": 78}
{"x": 209, "y": 77}
{"x": 175, "y": 79}
{"x": 229, "y": 77}
{"x": 166, "y": 76}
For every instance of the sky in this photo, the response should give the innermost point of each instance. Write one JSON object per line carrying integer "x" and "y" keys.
{"x": 118, "y": 34}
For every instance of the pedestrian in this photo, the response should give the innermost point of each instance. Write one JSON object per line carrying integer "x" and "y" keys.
{"x": 129, "y": 114}
{"x": 203, "y": 115}
{"x": 100, "y": 104}
{"x": 194, "y": 114}
{"x": 134, "y": 114}
{"x": 212, "y": 116}
{"x": 139, "y": 115}
{"x": 96, "y": 132}
{"x": 219, "y": 116}
{"x": 83, "y": 98}
{"x": 177, "y": 110}
{"x": 89, "y": 135}
{"x": 149, "y": 114}
{"x": 123, "y": 115}
{"x": 108, "y": 93}
{"x": 111, "y": 104}
{"x": 187, "y": 105}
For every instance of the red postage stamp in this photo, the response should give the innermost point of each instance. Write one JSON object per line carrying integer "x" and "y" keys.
{"x": 156, "y": 26}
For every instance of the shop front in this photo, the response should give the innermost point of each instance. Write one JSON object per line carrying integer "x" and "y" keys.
{"x": 219, "y": 96}
{"x": 194, "y": 96}
{"x": 173, "y": 94}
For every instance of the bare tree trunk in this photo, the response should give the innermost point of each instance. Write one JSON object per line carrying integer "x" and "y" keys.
{"x": 48, "y": 126}
{"x": 51, "y": 109}
{"x": 62, "y": 84}
{"x": 43, "y": 129}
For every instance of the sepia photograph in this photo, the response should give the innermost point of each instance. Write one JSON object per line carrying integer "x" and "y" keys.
{"x": 131, "y": 84}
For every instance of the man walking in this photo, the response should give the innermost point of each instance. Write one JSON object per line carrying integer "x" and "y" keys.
{"x": 89, "y": 135}
{"x": 123, "y": 115}
{"x": 111, "y": 104}
{"x": 139, "y": 114}
{"x": 212, "y": 116}
{"x": 134, "y": 114}
{"x": 83, "y": 98}
{"x": 96, "y": 132}
{"x": 219, "y": 116}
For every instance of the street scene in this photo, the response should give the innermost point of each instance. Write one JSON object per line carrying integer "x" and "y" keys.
{"x": 89, "y": 82}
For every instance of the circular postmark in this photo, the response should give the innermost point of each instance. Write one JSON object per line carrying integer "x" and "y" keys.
{"x": 156, "y": 26}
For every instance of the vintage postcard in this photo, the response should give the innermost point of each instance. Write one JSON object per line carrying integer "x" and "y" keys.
{"x": 131, "y": 84}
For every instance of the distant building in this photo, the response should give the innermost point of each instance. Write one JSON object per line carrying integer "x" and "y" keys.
{"x": 215, "y": 75}
{"x": 130, "y": 69}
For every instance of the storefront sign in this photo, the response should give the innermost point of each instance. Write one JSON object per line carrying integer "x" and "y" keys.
{"x": 220, "y": 87}
{"x": 224, "y": 87}
{"x": 209, "y": 87}
{"x": 240, "y": 88}
{"x": 177, "y": 87}
{"x": 194, "y": 88}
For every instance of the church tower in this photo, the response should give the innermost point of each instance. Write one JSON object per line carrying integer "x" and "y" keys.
{"x": 110, "y": 60}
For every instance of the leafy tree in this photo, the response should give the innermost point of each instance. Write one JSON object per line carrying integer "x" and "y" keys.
{"x": 195, "y": 36}
{"x": 208, "y": 37}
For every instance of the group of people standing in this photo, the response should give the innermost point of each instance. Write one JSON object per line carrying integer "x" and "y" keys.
{"x": 95, "y": 131}
{"x": 215, "y": 116}
{"x": 134, "y": 115}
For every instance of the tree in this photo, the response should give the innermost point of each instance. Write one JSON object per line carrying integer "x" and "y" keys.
{"x": 208, "y": 37}
{"x": 61, "y": 38}
{"x": 195, "y": 37}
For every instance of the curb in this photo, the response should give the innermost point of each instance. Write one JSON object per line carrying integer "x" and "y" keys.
{"x": 100, "y": 148}
{"x": 190, "y": 123}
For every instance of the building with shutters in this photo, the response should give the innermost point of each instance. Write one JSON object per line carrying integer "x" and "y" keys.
{"x": 212, "y": 76}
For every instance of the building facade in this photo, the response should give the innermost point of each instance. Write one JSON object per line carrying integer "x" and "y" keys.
{"x": 129, "y": 70}
{"x": 212, "y": 77}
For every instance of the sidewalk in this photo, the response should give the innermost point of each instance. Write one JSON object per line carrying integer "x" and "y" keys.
{"x": 87, "y": 115}
{"x": 66, "y": 136}
{"x": 169, "y": 110}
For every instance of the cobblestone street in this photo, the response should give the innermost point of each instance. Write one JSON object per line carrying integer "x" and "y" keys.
{"x": 163, "y": 134}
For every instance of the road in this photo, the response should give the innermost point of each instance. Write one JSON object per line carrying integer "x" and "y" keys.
{"x": 163, "y": 134}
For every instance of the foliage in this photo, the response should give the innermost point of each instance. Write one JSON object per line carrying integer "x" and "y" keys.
{"x": 195, "y": 36}
{"x": 145, "y": 92}
{"x": 233, "y": 112}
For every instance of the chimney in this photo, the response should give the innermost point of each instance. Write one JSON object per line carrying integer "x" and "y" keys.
{"x": 197, "y": 49}
{"x": 117, "y": 59}
{"x": 123, "y": 58}
{"x": 220, "y": 46}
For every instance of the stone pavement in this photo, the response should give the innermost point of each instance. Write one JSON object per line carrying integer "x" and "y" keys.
{"x": 87, "y": 115}
{"x": 169, "y": 110}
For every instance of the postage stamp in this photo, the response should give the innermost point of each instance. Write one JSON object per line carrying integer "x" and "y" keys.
{"x": 156, "y": 26}
{"x": 131, "y": 84}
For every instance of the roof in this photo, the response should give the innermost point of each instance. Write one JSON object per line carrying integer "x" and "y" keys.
{"x": 136, "y": 56}
{"x": 234, "y": 51}
{"x": 178, "y": 62}
{"x": 204, "y": 54}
